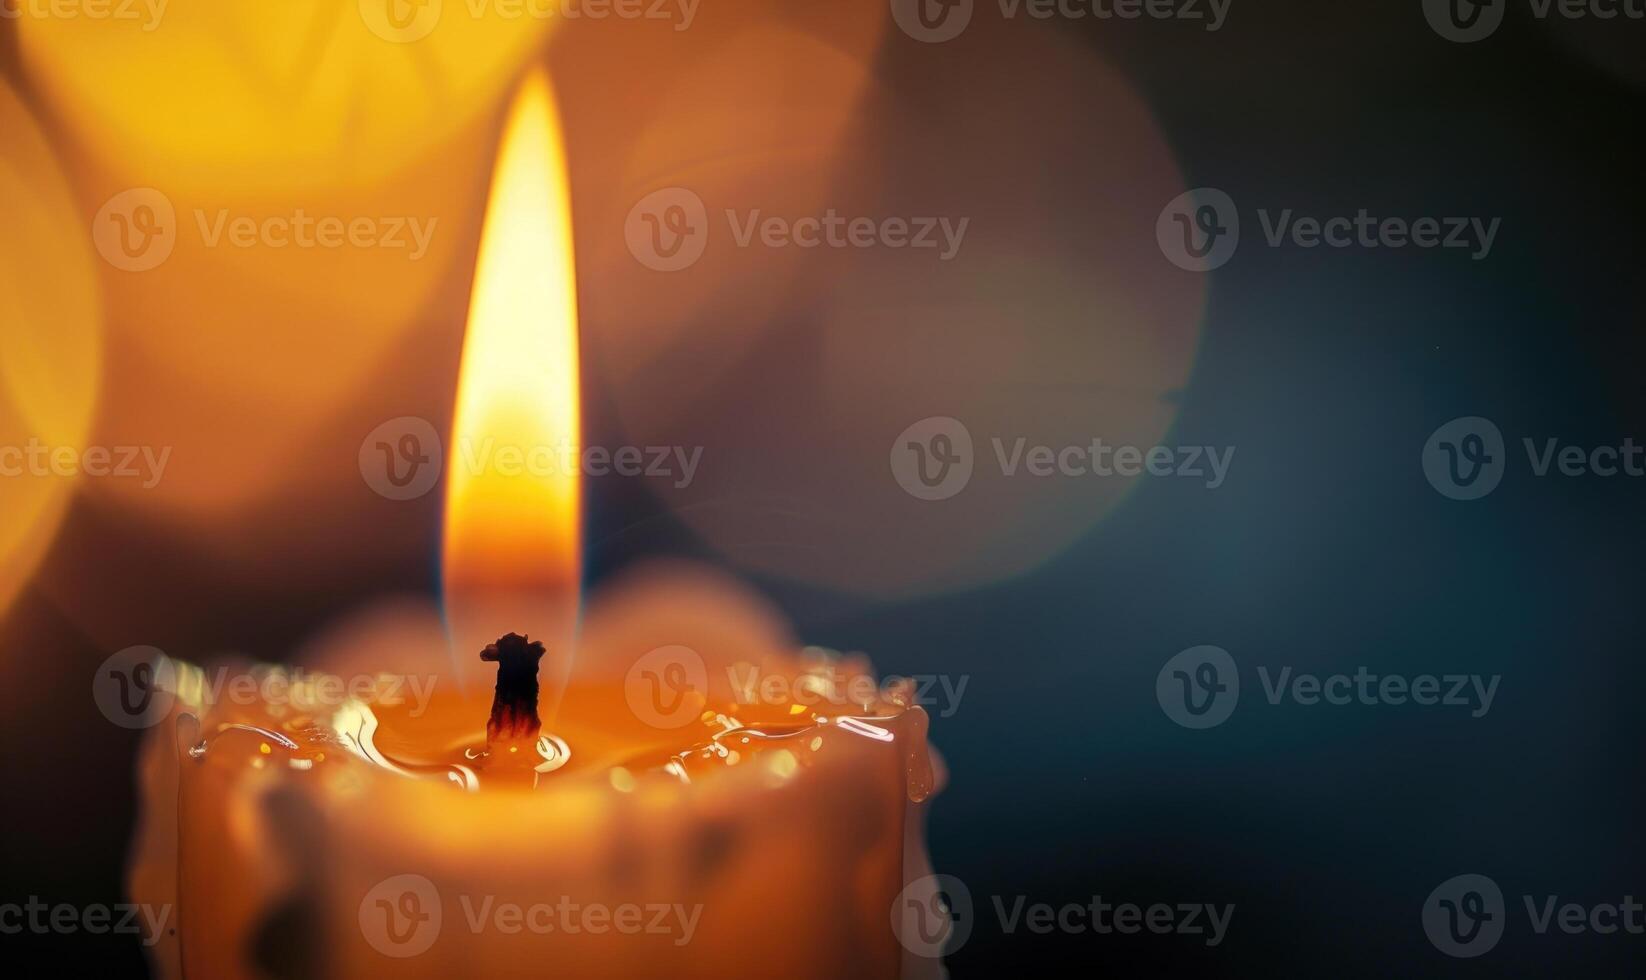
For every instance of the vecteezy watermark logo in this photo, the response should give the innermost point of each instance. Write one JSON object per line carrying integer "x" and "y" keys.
{"x": 1468, "y": 21}
{"x": 668, "y": 687}
{"x": 405, "y": 21}
{"x": 402, "y": 458}
{"x": 135, "y": 687}
{"x": 1200, "y": 919}
{"x": 1212, "y": 14}
{"x": 932, "y": 21}
{"x": 401, "y": 21}
{"x": 1464, "y": 21}
{"x": 668, "y": 229}
{"x": 1198, "y": 230}
{"x": 146, "y": 922}
{"x": 940, "y": 694}
{"x": 1199, "y": 687}
{"x": 932, "y": 915}
{"x": 932, "y": 459}
{"x": 680, "y": 13}
{"x": 401, "y": 916}
{"x": 1464, "y": 458}
{"x": 1464, "y": 916}
{"x": 135, "y": 230}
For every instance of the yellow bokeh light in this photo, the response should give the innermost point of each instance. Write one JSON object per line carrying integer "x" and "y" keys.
{"x": 304, "y": 93}
{"x": 50, "y": 341}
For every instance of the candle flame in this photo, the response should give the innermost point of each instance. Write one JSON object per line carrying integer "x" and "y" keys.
{"x": 513, "y": 522}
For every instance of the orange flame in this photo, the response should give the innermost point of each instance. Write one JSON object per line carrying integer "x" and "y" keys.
{"x": 513, "y": 523}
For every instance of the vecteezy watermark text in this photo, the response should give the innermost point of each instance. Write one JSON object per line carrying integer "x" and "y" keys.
{"x": 1466, "y": 916}
{"x": 136, "y": 687}
{"x": 668, "y": 687}
{"x": 403, "y": 459}
{"x": 149, "y": 12}
{"x": 933, "y": 916}
{"x": 680, "y": 13}
{"x": 39, "y": 459}
{"x": 839, "y": 689}
{"x": 668, "y": 230}
{"x": 137, "y": 229}
{"x": 1466, "y": 458}
{"x": 406, "y": 21}
{"x": 1199, "y": 230}
{"x": 1199, "y": 688}
{"x": 36, "y": 915}
{"x": 935, "y": 21}
{"x": 402, "y": 916}
{"x": 1125, "y": 918}
{"x": 933, "y": 459}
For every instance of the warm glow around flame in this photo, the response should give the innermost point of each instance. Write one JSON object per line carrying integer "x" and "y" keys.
{"x": 513, "y": 502}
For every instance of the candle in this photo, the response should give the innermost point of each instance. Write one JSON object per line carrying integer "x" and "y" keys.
{"x": 663, "y": 785}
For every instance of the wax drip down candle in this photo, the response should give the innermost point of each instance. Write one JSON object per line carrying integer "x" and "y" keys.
{"x": 631, "y": 798}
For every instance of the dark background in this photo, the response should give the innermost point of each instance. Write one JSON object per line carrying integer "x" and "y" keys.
{"x": 1327, "y": 826}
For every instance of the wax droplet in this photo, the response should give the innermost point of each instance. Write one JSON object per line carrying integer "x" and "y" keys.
{"x": 465, "y": 777}
{"x": 917, "y": 758}
{"x": 264, "y": 748}
{"x": 784, "y": 763}
{"x": 858, "y": 726}
{"x": 622, "y": 780}
{"x": 554, "y": 752}
{"x": 817, "y": 742}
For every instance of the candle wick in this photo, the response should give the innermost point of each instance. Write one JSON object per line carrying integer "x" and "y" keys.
{"x": 514, "y": 704}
